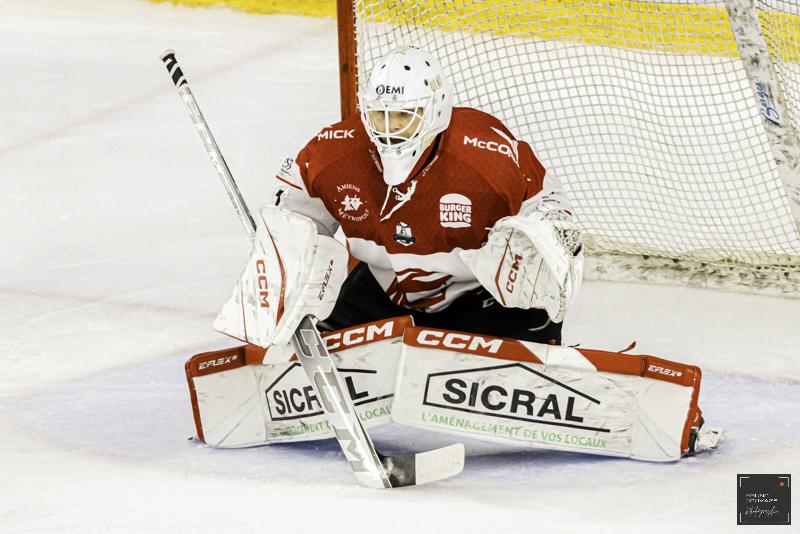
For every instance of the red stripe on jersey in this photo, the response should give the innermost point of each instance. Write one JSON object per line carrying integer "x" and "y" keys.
{"x": 410, "y": 281}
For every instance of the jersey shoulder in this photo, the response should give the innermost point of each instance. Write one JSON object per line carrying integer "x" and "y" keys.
{"x": 331, "y": 144}
{"x": 486, "y": 145}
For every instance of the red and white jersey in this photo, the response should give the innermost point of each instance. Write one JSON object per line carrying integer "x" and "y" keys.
{"x": 472, "y": 175}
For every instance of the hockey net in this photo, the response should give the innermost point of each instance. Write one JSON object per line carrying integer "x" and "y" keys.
{"x": 645, "y": 110}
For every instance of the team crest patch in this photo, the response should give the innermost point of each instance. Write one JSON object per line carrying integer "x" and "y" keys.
{"x": 349, "y": 204}
{"x": 403, "y": 235}
{"x": 455, "y": 211}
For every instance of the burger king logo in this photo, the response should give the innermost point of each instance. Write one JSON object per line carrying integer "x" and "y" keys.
{"x": 455, "y": 211}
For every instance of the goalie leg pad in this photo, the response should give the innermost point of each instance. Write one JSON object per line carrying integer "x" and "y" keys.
{"x": 238, "y": 401}
{"x": 550, "y": 397}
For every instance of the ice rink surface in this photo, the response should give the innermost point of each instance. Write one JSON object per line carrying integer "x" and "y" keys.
{"x": 119, "y": 246}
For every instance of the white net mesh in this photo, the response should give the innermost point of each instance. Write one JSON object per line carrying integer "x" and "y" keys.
{"x": 642, "y": 108}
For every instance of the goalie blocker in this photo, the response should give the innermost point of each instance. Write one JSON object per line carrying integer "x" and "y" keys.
{"x": 496, "y": 389}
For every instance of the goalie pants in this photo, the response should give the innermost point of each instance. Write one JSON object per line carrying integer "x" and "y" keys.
{"x": 362, "y": 300}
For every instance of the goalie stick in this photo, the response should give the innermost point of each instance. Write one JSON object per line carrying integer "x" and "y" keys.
{"x": 370, "y": 467}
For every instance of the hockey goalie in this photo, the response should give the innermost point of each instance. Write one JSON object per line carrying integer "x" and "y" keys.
{"x": 441, "y": 298}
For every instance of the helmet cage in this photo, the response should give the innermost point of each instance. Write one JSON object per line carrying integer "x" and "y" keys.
{"x": 420, "y": 113}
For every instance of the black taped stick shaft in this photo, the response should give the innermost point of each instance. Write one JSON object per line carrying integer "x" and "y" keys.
{"x": 224, "y": 172}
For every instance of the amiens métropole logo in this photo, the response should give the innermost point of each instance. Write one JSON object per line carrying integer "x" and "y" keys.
{"x": 349, "y": 204}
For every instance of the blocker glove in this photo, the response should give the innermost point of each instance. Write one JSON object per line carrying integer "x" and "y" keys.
{"x": 293, "y": 271}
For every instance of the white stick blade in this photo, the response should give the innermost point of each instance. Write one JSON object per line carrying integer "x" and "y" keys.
{"x": 439, "y": 464}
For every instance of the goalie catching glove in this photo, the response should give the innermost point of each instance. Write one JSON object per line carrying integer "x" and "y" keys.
{"x": 531, "y": 260}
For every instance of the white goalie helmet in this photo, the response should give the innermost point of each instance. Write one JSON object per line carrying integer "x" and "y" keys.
{"x": 404, "y": 105}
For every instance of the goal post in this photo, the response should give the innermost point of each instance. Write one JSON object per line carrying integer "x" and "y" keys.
{"x": 673, "y": 124}
{"x": 345, "y": 20}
